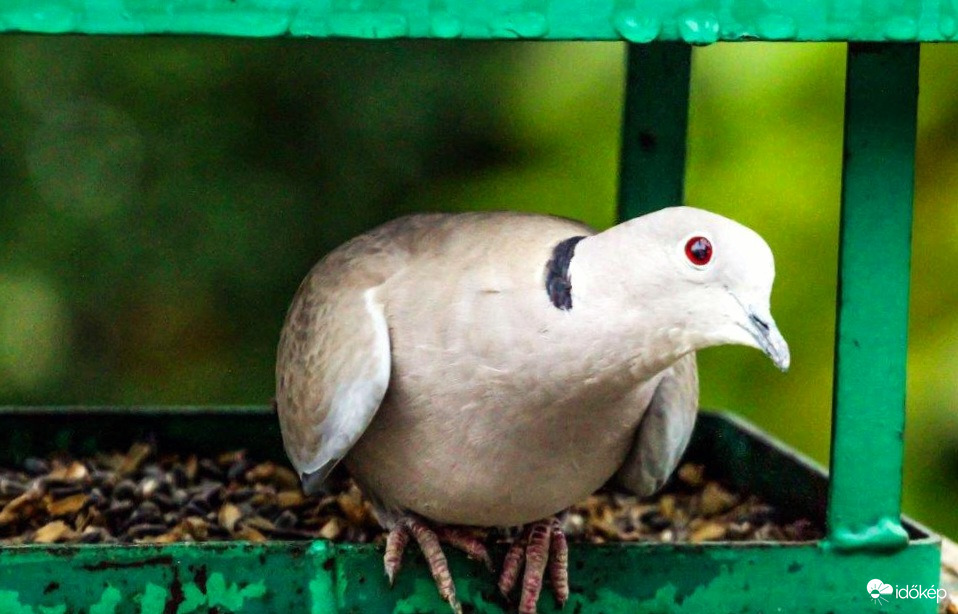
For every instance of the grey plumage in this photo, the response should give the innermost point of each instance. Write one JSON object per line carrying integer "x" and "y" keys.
{"x": 427, "y": 355}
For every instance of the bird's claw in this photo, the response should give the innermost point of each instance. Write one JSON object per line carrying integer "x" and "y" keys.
{"x": 429, "y": 542}
{"x": 467, "y": 541}
{"x": 541, "y": 546}
{"x": 395, "y": 546}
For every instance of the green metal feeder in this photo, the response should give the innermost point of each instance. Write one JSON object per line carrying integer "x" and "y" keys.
{"x": 860, "y": 503}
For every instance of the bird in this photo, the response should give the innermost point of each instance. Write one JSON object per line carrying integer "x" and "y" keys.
{"x": 490, "y": 369}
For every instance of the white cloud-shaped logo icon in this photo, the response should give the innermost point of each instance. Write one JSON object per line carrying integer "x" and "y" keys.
{"x": 877, "y": 588}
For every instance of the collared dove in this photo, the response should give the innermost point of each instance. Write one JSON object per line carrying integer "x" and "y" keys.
{"x": 491, "y": 369}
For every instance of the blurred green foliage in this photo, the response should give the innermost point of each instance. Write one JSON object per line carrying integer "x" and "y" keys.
{"x": 161, "y": 198}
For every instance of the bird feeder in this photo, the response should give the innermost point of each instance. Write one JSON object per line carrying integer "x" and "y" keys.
{"x": 859, "y": 502}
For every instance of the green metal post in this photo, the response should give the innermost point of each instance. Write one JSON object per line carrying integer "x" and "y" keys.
{"x": 652, "y": 171}
{"x": 868, "y": 415}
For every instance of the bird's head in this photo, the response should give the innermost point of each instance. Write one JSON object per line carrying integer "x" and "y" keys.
{"x": 703, "y": 278}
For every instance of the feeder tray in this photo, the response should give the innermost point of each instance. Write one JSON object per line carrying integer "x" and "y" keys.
{"x": 859, "y": 504}
{"x": 325, "y": 576}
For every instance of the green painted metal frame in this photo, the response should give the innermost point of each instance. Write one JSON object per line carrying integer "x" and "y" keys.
{"x": 638, "y": 21}
{"x": 871, "y": 345}
{"x": 654, "y": 127}
{"x": 871, "y": 337}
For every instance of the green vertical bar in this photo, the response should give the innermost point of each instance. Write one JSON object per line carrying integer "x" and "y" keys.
{"x": 652, "y": 173}
{"x": 868, "y": 414}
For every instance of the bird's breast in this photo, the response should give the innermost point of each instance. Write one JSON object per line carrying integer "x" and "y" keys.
{"x": 492, "y": 453}
{"x": 501, "y": 408}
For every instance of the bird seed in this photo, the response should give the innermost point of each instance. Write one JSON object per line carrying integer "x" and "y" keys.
{"x": 145, "y": 496}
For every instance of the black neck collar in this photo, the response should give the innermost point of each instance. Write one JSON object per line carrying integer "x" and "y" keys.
{"x": 558, "y": 284}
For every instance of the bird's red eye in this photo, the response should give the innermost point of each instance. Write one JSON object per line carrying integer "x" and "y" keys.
{"x": 698, "y": 250}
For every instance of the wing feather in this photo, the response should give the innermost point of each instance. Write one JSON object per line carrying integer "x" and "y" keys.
{"x": 664, "y": 431}
{"x": 332, "y": 374}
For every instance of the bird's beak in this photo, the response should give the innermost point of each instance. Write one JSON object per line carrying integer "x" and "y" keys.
{"x": 769, "y": 339}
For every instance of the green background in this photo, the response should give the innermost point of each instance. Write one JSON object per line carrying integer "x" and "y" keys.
{"x": 161, "y": 198}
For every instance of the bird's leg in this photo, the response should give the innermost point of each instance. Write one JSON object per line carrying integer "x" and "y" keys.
{"x": 537, "y": 557}
{"x": 461, "y": 538}
{"x": 428, "y": 539}
{"x": 429, "y": 544}
{"x": 541, "y": 546}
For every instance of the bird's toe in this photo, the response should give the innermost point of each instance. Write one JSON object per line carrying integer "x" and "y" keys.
{"x": 512, "y": 566}
{"x": 559, "y": 564}
{"x": 428, "y": 542}
{"x": 466, "y": 540}
{"x": 395, "y": 547}
{"x": 541, "y": 547}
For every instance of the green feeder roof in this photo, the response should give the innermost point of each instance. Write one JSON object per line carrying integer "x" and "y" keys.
{"x": 638, "y": 21}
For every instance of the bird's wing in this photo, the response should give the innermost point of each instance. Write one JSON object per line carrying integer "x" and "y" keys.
{"x": 664, "y": 430}
{"x": 332, "y": 373}
{"x": 335, "y": 352}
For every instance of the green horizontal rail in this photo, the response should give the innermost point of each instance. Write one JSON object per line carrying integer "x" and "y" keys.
{"x": 638, "y": 21}
{"x": 325, "y": 578}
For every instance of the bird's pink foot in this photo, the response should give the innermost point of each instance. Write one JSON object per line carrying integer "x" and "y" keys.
{"x": 428, "y": 539}
{"x": 469, "y": 541}
{"x": 541, "y": 546}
